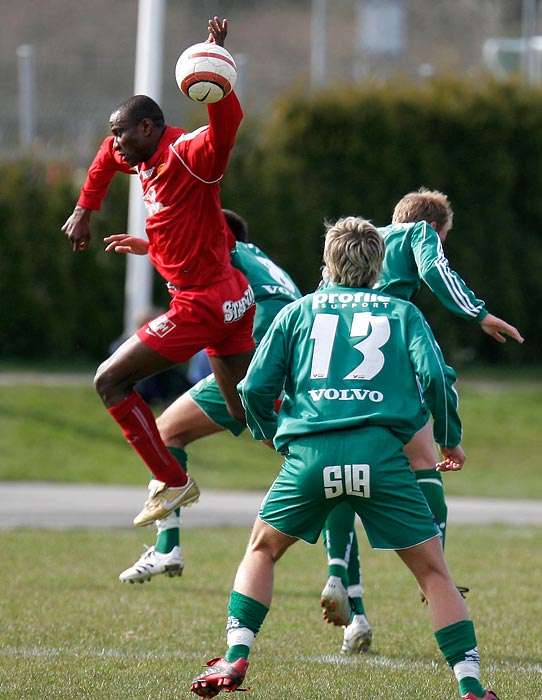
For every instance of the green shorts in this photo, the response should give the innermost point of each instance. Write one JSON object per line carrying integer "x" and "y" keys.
{"x": 365, "y": 467}
{"x": 209, "y": 398}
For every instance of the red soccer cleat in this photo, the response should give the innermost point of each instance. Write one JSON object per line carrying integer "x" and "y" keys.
{"x": 220, "y": 675}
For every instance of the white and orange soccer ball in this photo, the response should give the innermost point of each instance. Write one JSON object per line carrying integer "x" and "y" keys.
{"x": 206, "y": 72}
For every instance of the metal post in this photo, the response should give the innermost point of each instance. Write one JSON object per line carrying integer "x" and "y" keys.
{"x": 26, "y": 62}
{"x": 528, "y": 30}
{"x": 148, "y": 81}
{"x": 319, "y": 43}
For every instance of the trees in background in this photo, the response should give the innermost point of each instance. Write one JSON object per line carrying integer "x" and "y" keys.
{"x": 334, "y": 154}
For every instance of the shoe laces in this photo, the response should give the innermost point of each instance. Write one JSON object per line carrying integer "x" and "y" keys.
{"x": 146, "y": 555}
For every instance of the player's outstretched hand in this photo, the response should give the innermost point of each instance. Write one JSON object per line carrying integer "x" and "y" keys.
{"x": 454, "y": 459}
{"x": 123, "y": 243}
{"x": 218, "y": 30}
{"x": 498, "y": 329}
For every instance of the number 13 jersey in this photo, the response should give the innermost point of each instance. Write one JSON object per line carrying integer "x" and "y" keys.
{"x": 347, "y": 358}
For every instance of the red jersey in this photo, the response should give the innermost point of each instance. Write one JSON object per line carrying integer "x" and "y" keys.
{"x": 189, "y": 239}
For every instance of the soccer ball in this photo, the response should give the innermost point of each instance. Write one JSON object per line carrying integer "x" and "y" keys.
{"x": 206, "y": 72}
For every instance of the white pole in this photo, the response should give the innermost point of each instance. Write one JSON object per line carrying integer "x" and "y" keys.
{"x": 528, "y": 30}
{"x": 148, "y": 81}
{"x": 26, "y": 61}
{"x": 318, "y": 43}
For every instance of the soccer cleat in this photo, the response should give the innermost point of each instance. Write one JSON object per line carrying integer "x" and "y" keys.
{"x": 357, "y": 636}
{"x": 164, "y": 499}
{"x": 220, "y": 675}
{"x": 152, "y": 563}
{"x": 334, "y": 601}
{"x": 488, "y": 695}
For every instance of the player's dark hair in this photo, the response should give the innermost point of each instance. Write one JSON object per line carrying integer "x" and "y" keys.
{"x": 237, "y": 224}
{"x": 139, "y": 107}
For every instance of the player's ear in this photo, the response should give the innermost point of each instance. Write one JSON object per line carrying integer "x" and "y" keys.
{"x": 147, "y": 126}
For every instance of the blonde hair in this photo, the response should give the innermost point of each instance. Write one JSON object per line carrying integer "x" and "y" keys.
{"x": 353, "y": 253}
{"x": 424, "y": 205}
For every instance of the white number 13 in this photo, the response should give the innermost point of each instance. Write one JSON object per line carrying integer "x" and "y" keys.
{"x": 375, "y": 331}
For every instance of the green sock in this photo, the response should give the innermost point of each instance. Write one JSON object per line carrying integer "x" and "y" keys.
{"x": 180, "y": 455}
{"x": 245, "y": 617}
{"x": 355, "y": 590}
{"x": 458, "y": 645}
{"x": 430, "y": 482}
{"x": 170, "y": 537}
{"x": 338, "y": 534}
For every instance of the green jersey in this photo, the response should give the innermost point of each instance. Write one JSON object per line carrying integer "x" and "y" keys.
{"x": 348, "y": 358}
{"x": 414, "y": 253}
{"x": 272, "y": 286}
{"x": 273, "y": 289}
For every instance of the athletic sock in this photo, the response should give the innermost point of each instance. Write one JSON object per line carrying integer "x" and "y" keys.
{"x": 430, "y": 482}
{"x": 457, "y": 643}
{"x": 138, "y": 425}
{"x": 355, "y": 588}
{"x": 180, "y": 455}
{"x": 169, "y": 534}
{"x": 338, "y": 534}
{"x": 245, "y": 617}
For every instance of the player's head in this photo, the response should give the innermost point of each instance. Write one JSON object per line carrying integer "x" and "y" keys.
{"x": 137, "y": 125}
{"x": 425, "y": 205}
{"x": 237, "y": 225}
{"x": 353, "y": 253}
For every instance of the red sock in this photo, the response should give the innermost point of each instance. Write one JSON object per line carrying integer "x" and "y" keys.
{"x": 139, "y": 427}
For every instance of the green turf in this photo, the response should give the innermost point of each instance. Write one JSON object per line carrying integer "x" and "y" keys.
{"x": 70, "y": 629}
{"x": 63, "y": 433}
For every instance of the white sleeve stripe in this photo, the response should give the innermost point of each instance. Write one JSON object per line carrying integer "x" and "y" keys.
{"x": 191, "y": 134}
{"x": 450, "y": 282}
{"x": 185, "y": 137}
{"x": 456, "y": 292}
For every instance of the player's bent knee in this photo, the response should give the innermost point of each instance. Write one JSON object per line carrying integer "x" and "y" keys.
{"x": 108, "y": 386}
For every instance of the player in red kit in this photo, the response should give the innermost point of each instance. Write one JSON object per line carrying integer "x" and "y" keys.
{"x": 212, "y": 304}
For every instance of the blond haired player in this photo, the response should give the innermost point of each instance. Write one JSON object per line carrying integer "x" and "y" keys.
{"x": 351, "y": 362}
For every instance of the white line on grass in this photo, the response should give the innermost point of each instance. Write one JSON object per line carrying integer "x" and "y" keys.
{"x": 367, "y": 659}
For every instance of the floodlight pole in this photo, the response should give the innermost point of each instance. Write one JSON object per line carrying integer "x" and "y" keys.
{"x": 531, "y": 17}
{"x": 318, "y": 43}
{"x": 148, "y": 81}
{"x": 26, "y": 62}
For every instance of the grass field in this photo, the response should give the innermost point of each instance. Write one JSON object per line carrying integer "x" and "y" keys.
{"x": 70, "y": 629}
{"x": 63, "y": 433}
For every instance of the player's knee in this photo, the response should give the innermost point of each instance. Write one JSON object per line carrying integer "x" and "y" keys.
{"x": 100, "y": 381}
{"x": 107, "y": 386}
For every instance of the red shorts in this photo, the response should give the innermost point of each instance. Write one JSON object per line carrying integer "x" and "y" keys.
{"x": 218, "y": 318}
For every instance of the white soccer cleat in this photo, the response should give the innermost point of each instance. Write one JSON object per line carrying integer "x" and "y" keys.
{"x": 335, "y": 603}
{"x": 357, "y": 636}
{"x": 163, "y": 500}
{"x": 152, "y": 563}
